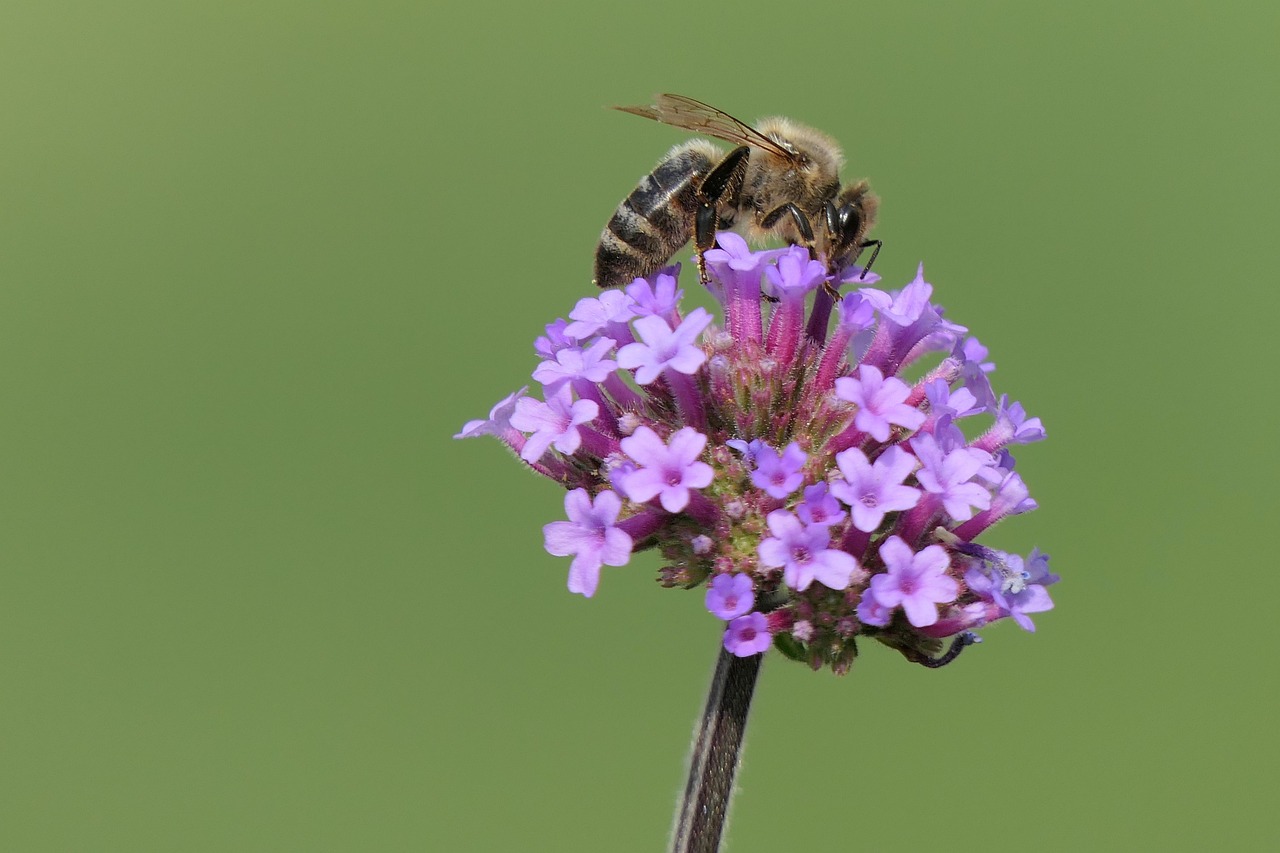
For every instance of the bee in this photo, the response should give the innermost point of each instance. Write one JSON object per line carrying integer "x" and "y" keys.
{"x": 780, "y": 179}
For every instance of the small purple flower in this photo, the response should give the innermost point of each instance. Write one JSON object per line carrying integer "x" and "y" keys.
{"x": 950, "y": 476}
{"x": 730, "y": 596}
{"x": 553, "y": 423}
{"x": 1012, "y": 426}
{"x": 659, "y": 298}
{"x": 857, "y": 313}
{"x": 574, "y": 362}
{"x": 749, "y": 449}
{"x": 973, "y": 371}
{"x": 590, "y": 535}
{"x": 1008, "y": 582}
{"x": 820, "y": 507}
{"x": 913, "y": 325}
{"x": 872, "y": 612}
{"x": 802, "y": 554}
{"x": 748, "y": 635}
{"x": 1012, "y": 496}
{"x": 959, "y": 403}
{"x": 554, "y": 340}
{"x": 872, "y": 491}
{"x": 734, "y": 258}
{"x": 499, "y": 418}
{"x": 916, "y": 582}
{"x": 880, "y": 402}
{"x": 907, "y": 305}
{"x": 590, "y": 316}
{"x": 779, "y": 475}
{"x": 1037, "y": 566}
{"x": 795, "y": 274}
{"x": 663, "y": 348}
{"x": 667, "y": 470}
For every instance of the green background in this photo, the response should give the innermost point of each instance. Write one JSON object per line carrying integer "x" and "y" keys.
{"x": 260, "y": 260}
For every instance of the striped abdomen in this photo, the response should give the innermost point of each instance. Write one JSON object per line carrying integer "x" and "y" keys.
{"x": 654, "y": 221}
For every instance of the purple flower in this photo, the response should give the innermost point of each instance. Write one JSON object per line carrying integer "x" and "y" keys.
{"x": 880, "y": 402}
{"x": 574, "y": 362}
{"x": 1012, "y": 426}
{"x": 857, "y": 313}
{"x": 748, "y": 635}
{"x": 610, "y": 310}
{"x": 1016, "y": 587}
{"x": 553, "y": 423}
{"x": 973, "y": 371}
{"x": 802, "y": 554}
{"x": 661, "y": 347}
{"x": 870, "y": 490}
{"x": 795, "y": 274}
{"x": 779, "y": 475}
{"x": 912, "y": 324}
{"x": 819, "y": 507}
{"x": 554, "y": 340}
{"x": 907, "y": 305}
{"x": 590, "y": 535}
{"x": 959, "y": 403}
{"x": 749, "y": 449}
{"x": 872, "y": 612}
{"x": 916, "y": 582}
{"x": 950, "y": 476}
{"x": 499, "y": 418}
{"x": 668, "y": 470}
{"x": 659, "y": 298}
{"x": 696, "y": 441}
{"x": 730, "y": 596}
{"x": 733, "y": 258}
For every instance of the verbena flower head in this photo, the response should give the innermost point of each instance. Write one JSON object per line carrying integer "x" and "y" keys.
{"x": 810, "y": 458}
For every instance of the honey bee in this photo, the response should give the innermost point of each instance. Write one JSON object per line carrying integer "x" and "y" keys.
{"x": 780, "y": 179}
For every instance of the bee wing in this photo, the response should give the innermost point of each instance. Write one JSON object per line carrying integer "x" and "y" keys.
{"x": 679, "y": 111}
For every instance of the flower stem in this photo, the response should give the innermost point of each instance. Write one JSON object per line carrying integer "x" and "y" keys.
{"x": 713, "y": 761}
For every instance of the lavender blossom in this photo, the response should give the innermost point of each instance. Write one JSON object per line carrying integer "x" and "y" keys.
{"x": 881, "y": 402}
{"x": 819, "y": 507}
{"x": 554, "y": 422}
{"x": 573, "y": 362}
{"x": 730, "y": 596}
{"x": 873, "y": 491}
{"x": 748, "y": 635}
{"x": 734, "y": 449}
{"x": 663, "y": 348}
{"x": 779, "y": 474}
{"x": 591, "y": 536}
{"x": 915, "y": 581}
{"x": 667, "y": 470}
{"x": 801, "y": 552}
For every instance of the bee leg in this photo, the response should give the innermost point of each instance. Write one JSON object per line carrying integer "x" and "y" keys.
{"x": 721, "y": 186}
{"x": 798, "y": 219}
{"x": 704, "y": 238}
{"x": 874, "y": 252}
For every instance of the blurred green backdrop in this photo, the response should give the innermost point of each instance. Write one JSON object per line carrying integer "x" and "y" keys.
{"x": 258, "y": 261}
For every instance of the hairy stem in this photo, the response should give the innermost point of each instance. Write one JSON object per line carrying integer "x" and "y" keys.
{"x": 713, "y": 760}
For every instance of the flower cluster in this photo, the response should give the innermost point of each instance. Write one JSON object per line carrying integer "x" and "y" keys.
{"x": 807, "y": 463}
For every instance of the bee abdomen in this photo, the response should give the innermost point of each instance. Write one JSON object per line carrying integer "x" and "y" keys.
{"x": 656, "y": 219}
